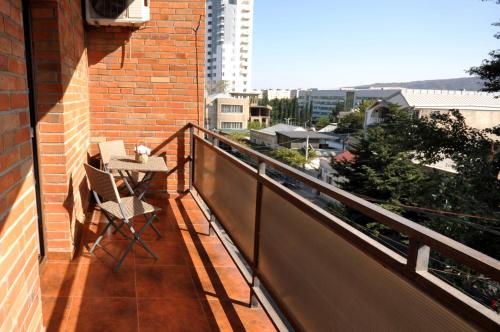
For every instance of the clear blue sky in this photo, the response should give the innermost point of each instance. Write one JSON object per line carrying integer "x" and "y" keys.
{"x": 333, "y": 43}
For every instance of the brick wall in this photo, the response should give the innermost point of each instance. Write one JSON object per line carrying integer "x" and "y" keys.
{"x": 61, "y": 94}
{"x": 20, "y": 306}
{"x": 143, "y": 83}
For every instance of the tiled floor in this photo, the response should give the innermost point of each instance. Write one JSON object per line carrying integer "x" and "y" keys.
{"x": 193, "y": 286}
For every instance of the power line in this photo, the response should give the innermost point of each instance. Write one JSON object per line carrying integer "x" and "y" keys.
{"x": 417, "y": 208}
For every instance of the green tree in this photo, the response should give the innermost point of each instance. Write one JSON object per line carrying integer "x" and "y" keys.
{"x": 383, "y": 168}
{"x": 354, "y": 121}
{"x": 290, "y": 157}
{"x": 339, "y": 107}
{"x": 351, "y": 123}
{"x": 388, "y": 168}
{"x": 255, "y": 125}
{"x": 322, "y": 122}
{"x": 489, "y": 70}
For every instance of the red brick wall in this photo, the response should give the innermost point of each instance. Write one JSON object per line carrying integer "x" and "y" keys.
{"x": 142, "y": 83}
{"x": 20, "y": 306}
{"x": 61, "y": 93}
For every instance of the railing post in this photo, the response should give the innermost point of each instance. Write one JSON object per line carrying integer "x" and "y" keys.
{"x": 255, "y": 282}
{"x": 418, "y": 256}
{"x": 191, "y": 157}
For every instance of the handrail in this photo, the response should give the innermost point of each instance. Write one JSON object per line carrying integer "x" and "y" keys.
{"x": 418, "y": 234}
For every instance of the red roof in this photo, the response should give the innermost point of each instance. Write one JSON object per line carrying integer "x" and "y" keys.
{"x": 345, "y": 156}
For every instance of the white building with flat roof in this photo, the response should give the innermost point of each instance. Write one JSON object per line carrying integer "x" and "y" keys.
{"x": 271, "y": 94}
{"x": 480, "y": 109}
{"x": 229, "y": 30}
{"x": 325, "y": 101}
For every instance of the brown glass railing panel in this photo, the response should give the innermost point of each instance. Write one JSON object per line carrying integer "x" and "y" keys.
{"x": 230, "y": 190}
{"x": 328, "y": 284}
{"x": 323, "y": 273}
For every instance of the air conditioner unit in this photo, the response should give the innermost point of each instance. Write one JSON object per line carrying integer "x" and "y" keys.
{"x": 117, "y": 12}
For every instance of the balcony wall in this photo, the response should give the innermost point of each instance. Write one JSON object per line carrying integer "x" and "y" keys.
{"x": 143, "y": 86}
{"x": 20, "y": 305}
{"x": 146, "y": 84}
{"x": 60, "y": 73}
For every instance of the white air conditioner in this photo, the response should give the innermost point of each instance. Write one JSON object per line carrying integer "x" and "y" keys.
{"x": 117, "y": 12}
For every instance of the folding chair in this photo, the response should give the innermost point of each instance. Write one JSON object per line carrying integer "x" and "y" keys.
{"x": 115, "y": 149}
{"x": 116, "y": 208}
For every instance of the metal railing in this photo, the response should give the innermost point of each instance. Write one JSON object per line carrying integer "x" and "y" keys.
{"x": 323, "y": 273}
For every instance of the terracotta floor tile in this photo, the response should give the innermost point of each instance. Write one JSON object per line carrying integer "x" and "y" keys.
{"x": 98, "y": 280}
{"x": 227, "y": 316}
{"x": 169, "y": 253}
{"x": 168, "y": 233}
{"x": 55, "y": 313}
{"x": 103, "y": 314}
{"x": 107, "y": 253}
{"x": 58, "y": 278}
{"x": 165, "y": 282}
{"x": 223, "y": 283}
{"x": 200, "y": 235}
{"x": 194, "y": 286}
{"x": 208, "y": 254}
{"x": 172, "y": 315}
{"x": 92, "y": 231}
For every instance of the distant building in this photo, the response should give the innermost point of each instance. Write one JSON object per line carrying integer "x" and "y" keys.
{"x": 298, "y": 139}
{"x": 271, "y": 94}
{"x": 235, "y": 111}
{"x": 229, "y": 30}
{"x": 267, "y": 136}
{"x": 260, "y": 114}
{"x": 226, "y": 112}
{"x": 253, "y": 96}
{"x": 328, "y": 129}
{"x": 325, "y": 101}
{"x": 480, "y": 109}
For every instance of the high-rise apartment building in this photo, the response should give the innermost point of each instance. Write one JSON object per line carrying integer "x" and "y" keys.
{"x": 229, "y": 45}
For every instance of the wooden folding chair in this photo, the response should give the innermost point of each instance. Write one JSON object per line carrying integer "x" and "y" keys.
{"x": 116, "y": 208}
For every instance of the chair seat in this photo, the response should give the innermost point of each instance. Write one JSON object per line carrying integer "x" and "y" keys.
{"x": 132, "y": 205}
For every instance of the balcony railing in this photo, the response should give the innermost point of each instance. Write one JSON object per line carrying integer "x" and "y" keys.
{"x": 322, "y": 273}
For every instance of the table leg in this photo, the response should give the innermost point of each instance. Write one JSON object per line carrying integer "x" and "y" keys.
{"x": 147, "y": 181}
{"x": 124, "y": 177}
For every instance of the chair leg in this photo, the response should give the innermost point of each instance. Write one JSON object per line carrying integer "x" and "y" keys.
{"x": 137, "y": 238}
{"x": 152, "y": 225}
{"x": 99, "y": 238}
{"x": 120, "y": 262}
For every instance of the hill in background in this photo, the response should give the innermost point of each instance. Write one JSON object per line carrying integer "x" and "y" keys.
{"x": 463, "y": 83}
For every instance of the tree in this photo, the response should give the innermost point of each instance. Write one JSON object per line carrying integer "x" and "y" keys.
{"x": 389, "y": 168}
{"x": 354, "y": 121}
{"x": 339, "y": 107}
{"x": 351, "y": 123}
{"x": 383, "y": 168}
{"x": 255, "y": 125}
{"x": 322, "y": 122}
{"x": 489, "y": 70}
{"x": 290, "y": 157}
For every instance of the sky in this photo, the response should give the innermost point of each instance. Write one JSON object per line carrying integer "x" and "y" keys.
{"x": 331, "y": 43}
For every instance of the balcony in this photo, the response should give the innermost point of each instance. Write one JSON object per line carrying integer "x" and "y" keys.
{"x": 194, "y": 281}
{"x": 241, "y": 251}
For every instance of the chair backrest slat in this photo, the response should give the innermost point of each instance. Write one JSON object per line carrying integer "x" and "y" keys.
{"x": 102, "y": 183}
{"x": 111, "y": 148}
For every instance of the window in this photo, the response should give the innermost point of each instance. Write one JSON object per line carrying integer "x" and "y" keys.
{"x": 231, "y": 125}
{"x": 232, "y": 108}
